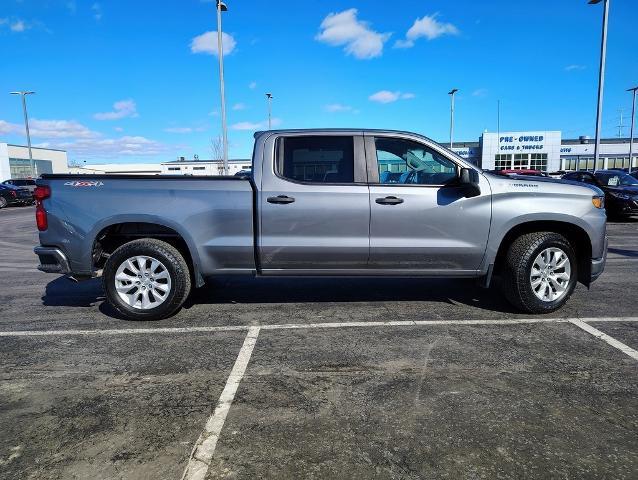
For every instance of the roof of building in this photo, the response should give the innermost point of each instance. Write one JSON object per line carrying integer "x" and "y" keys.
{"x": 200, "y": 161}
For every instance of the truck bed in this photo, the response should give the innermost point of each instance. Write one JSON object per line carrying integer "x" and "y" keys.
{"x": 212, "y": 214}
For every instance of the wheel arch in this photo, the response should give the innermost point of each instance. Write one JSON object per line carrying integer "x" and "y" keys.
{"x": 575, "y": 235}
{"x": 116, "y": 233}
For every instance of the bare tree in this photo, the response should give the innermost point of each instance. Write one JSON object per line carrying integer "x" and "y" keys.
{"x": 217, "y": 148}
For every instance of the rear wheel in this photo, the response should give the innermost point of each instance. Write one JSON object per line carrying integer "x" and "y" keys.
{"x": 540, "y": 272}
{"x": 146, "y": 279}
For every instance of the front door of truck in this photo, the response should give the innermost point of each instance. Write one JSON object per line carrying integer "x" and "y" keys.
{"x": 314, "y": 209}
{"x": 420, "y": 220}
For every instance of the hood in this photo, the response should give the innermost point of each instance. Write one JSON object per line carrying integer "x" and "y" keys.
{"x": 546, "y": 184}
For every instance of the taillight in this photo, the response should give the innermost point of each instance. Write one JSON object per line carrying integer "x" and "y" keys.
{"x": 13, "y": 193}
{"x": 41, "y": 193}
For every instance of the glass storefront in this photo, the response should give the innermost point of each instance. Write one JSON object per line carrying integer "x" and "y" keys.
{"x": 21, "y": 168}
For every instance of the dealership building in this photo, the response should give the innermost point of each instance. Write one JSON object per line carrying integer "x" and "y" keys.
{"x": 14, "y": 161}
{"x": 544, "y": 150}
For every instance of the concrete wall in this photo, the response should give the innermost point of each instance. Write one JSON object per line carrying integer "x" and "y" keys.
{"x": 5, "y": 172}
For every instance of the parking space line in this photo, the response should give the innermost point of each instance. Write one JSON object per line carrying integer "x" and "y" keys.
{"x": 302, "y": 326}
{"x": 606, "y": 338}
{"x": 204, "y": 448}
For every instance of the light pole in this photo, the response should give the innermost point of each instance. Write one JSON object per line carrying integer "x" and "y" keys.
{"x": 451, "y": 93}
{"x": 269, "y": 97}
{"x": 24, "y": 94}
{"x": 633, "y": 118}
{"x": 601, "y": 78}
{"x": 221, "y": 7}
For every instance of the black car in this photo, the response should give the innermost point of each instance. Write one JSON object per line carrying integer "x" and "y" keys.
{"x": 27, "y": 183}
{"x": 10, "y": 195}
{"x": 621, "y": 189}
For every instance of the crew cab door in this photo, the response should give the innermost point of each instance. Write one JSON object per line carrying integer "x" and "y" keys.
{"x": 314, "y": 209}
{"x": 421, "y": 220}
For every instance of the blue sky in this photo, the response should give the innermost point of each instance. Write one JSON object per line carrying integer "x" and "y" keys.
{"x": 135, "y": 81}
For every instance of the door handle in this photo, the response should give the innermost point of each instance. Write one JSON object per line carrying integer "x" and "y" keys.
{"x": 281, "y": 199}
{"x": 389, "y": 201}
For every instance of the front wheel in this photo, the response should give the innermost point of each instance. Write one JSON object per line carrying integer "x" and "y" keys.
{"x": 540, "y": 272}
{"x": 3, "y": 202}
{"x": 146, "y": 279}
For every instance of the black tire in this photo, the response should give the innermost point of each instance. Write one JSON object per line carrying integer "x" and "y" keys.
{"x": 3, "y": 202}
{"x": 515, "y": 279}
{"x": 174, "y": 263}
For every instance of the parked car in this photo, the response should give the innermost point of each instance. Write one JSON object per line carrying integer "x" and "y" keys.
{"x": 621, "y": 189}
{"x": 10, "y": 195}
{"x": 323, "y": 202}
{"x": 244, "y": 173}
{"x": 27, "y": 183}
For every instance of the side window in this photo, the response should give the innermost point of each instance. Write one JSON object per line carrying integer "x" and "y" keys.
{"x": 407, "y": 162}
{"x": 316, "y": 159}
{"x": 588, "y": 179}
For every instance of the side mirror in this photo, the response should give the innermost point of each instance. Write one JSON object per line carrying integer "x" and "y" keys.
{"x": 469, "y": 182}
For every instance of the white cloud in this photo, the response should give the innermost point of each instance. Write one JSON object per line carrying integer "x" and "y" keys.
{"x": 184, "y": 129}
{"x": 480, "y": 92}
{"x": 358, "y": 39}
{"x": 239, "y": 106}
{"x": 121, "y": 109}
{"x": 386, "y": 96}
{"x": 18, "y": 26}
{"x": 178, "y": 130}
{"x": 50, "y": 129}
{"x": 252, "y": 85}
{"x": 7, "y": 128}
{"x": 97, "y": 11}
{"x": 255, "y": 125}
{"x": 337, "y": 107}
{"x": 113, "y": 147}
{"x": 118, "y": 129}
{"x": 428, "y": 27}
{"x": 207, "y": 43}
{"x": 571, "y": 68}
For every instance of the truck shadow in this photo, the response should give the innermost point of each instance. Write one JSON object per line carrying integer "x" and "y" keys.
{"x": 240, "y": 290}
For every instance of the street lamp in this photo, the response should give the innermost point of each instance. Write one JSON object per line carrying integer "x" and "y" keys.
{"x": 451, "y": 94}
{"x": 221, "y": 7}
{"x": 601, "y": 78}
{"x": 24, "y": 94}
{"x": 633, "y": 115}
{"x": 269, "y": 97}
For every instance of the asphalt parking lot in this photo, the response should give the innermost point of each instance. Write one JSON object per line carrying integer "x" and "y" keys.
{"x": 400, "y": 379}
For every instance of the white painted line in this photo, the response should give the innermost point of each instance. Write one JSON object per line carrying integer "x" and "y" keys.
{"x": 301, "y": 326}
{"x": 203, "y": 450}
{"x": 606, "y": 338}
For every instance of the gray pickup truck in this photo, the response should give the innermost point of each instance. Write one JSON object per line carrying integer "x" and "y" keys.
{"x": 323, "y": 203}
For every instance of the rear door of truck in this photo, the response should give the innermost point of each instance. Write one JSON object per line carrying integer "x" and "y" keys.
{"x": 314, "y": 203}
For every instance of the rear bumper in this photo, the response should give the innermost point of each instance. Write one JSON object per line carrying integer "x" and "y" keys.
{"x": 52, "y": 260}
{"x": 598, "y": 264}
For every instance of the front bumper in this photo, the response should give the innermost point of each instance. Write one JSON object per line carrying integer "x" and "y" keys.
{"x": 598, "y": 264}
{"x": 52, "y": 260}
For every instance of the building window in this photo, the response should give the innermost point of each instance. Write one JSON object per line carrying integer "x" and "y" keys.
{"x": 521, "y": 161}
{"x": 587, "y": 163}
{"x": 538, "y": 162}
{"x": 502, "y": 161}
{"x": 199, "y": 168}
{"x": 21, "y": 167}
{"x": 173, "y": 169}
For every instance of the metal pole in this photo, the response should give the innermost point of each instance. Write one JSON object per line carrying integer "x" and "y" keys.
{"x": 451, "y": 93}
{"x": 269, "y": 97}
{"x": 631, "y": 134}
{"x": 34, "y": 172}
{"x": 601, "y": 83}
{"x": 220, "y": 51}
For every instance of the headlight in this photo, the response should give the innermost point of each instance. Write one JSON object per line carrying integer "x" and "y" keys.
{"x": 620, "y": 196}
{"x": 599, "y": 202}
